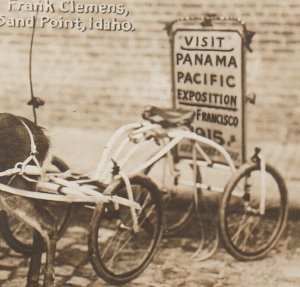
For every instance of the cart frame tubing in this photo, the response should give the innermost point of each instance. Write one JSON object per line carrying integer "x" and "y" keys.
{"x": 136, "y": 132}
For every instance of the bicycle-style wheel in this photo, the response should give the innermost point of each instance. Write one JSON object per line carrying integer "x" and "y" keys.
{"x": 18, "y": 235}
{"x": 176, "y": 182}
{"x": 119, "y": 253}
{"x": 247, "y": 233}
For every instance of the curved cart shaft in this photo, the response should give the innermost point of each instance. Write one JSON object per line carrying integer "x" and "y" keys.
{"x": 50, "y": 191}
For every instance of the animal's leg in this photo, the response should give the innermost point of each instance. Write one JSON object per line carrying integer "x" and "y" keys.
{"x": 35, "y": 261}
{"x": 49, "y": 268}
{"x": 41, "y": 220}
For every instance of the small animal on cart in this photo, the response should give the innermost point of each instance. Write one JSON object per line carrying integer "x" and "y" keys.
{"x": 24, "y": 144}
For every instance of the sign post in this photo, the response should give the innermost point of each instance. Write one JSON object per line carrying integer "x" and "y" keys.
{"x": 208, "y": 71}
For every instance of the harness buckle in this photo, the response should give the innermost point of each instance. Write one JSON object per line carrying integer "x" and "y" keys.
{"x": 21, "y": 166}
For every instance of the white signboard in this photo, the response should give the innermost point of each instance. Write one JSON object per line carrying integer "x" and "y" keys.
{"x": 208, "y": 78}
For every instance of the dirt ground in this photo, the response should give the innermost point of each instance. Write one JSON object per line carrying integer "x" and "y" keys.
{"x": 175, "y": 264}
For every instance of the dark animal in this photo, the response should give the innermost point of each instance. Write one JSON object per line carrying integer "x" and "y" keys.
{"x": 15, "y": 146}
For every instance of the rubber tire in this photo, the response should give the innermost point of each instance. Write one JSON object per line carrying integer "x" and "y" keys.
{"x": 170, "y": 231}
{"x": 282, "y": 219}
{"x": 21, "y": 247}
{"x": 97, "y": 263}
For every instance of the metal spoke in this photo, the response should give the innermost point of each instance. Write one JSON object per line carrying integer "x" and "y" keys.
{"x": 109, "y": 243}
{"x": 147, "y": 215}
{"x": 118, "y": 249}
{"x": 248, "y": 233}
{"x": 243, "y": 224}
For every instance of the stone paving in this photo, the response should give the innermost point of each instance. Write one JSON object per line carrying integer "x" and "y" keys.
{"x": 173, "y": 265}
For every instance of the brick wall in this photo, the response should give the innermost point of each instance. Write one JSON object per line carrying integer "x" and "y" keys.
{"x": 103, "y": 79}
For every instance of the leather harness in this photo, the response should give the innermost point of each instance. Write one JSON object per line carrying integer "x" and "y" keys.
{"x": 24, "y": 168}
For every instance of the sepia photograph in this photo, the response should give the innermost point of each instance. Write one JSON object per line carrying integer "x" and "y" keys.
{"x": 149, "y": 143}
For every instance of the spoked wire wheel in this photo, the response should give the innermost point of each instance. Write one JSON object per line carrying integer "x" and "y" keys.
{"x": 248, "y": 233}
{"x": 119, "y": 253}
{"x": 18, "y": 235}
{"x": 175, "y": 180}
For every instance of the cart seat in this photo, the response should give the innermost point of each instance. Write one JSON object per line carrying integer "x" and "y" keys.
{"x": 168, "y": 118}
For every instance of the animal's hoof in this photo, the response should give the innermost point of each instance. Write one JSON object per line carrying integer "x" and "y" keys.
{"x": 32, "y": 284}
{"x": 49, "y": 281}
{"x": 33, "y": 281}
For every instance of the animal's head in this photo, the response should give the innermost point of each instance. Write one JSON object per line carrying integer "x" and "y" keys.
{"x": 15, "y": 147}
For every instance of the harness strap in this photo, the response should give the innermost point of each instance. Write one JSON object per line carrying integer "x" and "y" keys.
{"x": 23, "y": 168}
{"x": 32, "y": 143}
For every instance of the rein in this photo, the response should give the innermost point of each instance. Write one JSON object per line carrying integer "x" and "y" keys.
{"x": 35, "y": 102}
